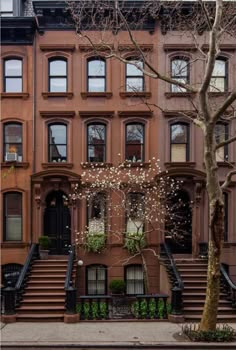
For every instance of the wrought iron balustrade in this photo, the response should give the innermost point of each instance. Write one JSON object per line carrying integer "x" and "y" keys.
{"x": 228, "y": 285}
{"x": 96, "y": 307}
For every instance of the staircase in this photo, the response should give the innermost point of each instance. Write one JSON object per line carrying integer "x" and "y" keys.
{"x": 194, "y": 276}
{"x": 44, "y": 296}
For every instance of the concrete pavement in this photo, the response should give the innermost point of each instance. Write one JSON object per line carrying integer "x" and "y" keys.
{"x": 92, "y": 334}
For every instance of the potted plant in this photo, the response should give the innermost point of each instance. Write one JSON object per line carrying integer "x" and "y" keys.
{"x": 117, "y": 287}
{"x": 44, "y": 243}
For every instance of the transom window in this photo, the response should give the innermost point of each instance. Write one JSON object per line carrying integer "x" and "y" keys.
{"x": 58, "y": 75}
{"x": 96, "y": 75}
{"x": 12, "y": 216}
{"x": 134, "y": 77}
{"x": 179, "y": 142}
{"x": 96, "y": 151}
{"x": 221, "y": 134}
{"x": 134, "y": 151}
{"x": 134, "y": 279}
{"x": 13, "y": 75}
{"x": 96, "y": 278}
{"x": 12, "y": 148}
{"x": 135, "y": 212}
{"x": 179, "y": 72}
{"x": 219, "y": 76}
{"x": 6, "y": 8}
{"x": 57, "y": 141}
{"x": 96, "y": 213}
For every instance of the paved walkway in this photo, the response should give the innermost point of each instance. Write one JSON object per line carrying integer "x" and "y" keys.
{"x": 92, "y": 334}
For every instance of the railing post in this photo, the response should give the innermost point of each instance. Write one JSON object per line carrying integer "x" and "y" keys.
{"x": 176, "y": 305}
{"x": 9, "y": 315}
{"x": 71, "y": 300}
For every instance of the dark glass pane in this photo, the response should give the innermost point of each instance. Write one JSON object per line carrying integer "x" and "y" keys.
{"x": 13, "y": 67}
{"x": 13, "y": 204}
{"x": 13, "y": 133}
{"x": 96, "y": 153}
{"x": 176, "y": 88}
{"x": 96, "y": 68}
{"x": 217, "y": 84}
{"x": 58, "y": 84}
{"x": 178, "y": 133}
{"x": 133, "y": 70}
{"x": 96, "y": 85}
{"x": 134, "y": 84}
{"x": 57, "y": 134}
{"x": 179, "y": 68}
{"x": 13, "y": 85}
{"x": 134, "y": 133}
{"x": 134, "y": 153}
{"x": 58, "y": 153}
{"x": 58, "y": 68}
{"x": 96, "y": 134}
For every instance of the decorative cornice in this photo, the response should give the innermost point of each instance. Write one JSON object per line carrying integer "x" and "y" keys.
{"x": 15, "y": 164}
{"x": 47, "y": 95}
{"x": 179, "y": 47}
{"x": 86, "y": 95}
{"x": 143, "y": 114}
{"x": 57, "y": 47}
{"x": 223, "y": 47}
{"x": 92, "y": 114}
{"x": 179, "y": 94}
{"x": 175, "y": 113}
{"x": 96, "y": 47}
{"x": 57, "y": 165}
{"x": 17, "y": 30}
{"x": 138, "y": 94}
{"x": 130, "y": 47}
{"x": 53, "y": 114}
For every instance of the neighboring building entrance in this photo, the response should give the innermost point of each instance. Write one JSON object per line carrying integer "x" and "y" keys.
{"x": 57, "y": 222}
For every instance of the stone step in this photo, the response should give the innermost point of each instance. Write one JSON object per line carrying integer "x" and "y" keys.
{"x": 41, "y": 309}
{"x": 43, "y": 300}
{"x": 32, "y": 317}
{"x": 220, "y": 318}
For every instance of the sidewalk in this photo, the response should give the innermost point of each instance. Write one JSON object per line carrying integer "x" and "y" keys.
{"x": 92, "y": 334}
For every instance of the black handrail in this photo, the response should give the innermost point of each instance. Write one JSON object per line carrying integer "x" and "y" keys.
{"x": 69, "y": 271}
{"x": 178, "y": 281}
{"x": 229, "y": 283}
{"x": 71, "y": 291}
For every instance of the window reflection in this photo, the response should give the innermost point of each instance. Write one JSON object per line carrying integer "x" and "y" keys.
{"x": 96, "y": 75}
{"x": 57, "y": 143}
{"x": 179, "y": 143}
{"x": 96, "y": 143}
{"x": 134, "y": 77}
{"x": 13, "y": 75}
{"x": 58, "y": 75}
{"x": 135, "y": 142}
{"x": 179, "y": 72}
{"x": 218, "y": 79}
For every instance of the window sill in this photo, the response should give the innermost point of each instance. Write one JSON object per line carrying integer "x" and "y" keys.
{"x": 138, "y": 94}
{"x": 95, "y": 165}
{"x": 179, "y": 94}
{"x": 225, "y": 164}
{"x": 47, "y": 95}
{"x": 218, "y": 93}
{"x": 180, "y": 164}
{"x": 135, "y": 165}
{"x": 23, "y": 95}
{"x": 14, "y": 244}
{"x": 24, "y": 165}
{"x": 86, "y": 95}
{"x": 57, "y": 165}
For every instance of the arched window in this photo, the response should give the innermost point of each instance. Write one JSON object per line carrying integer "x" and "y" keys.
{"x": 221, "y": 134}
{"x": 134, "y": 146}
{"x": 96, "y": 68}
{"x": 179, "y": 142}
{"x": 57, "y": 142}
{"x": 12, "y": 207}
{"x": 96, "y": 214}
{"x": 96, "y": 143}
{"x": 10, "y": 274}
{"x": 57, "y": 75}
{"x": 13, "y": 75}
{"x": 134, "y": 279}
{"x": 134, "y": 81}
{"x": 96, "y": 280}
{"x": 179, "y": 72}
{"x": 135, "y": 212}
{"x": 12, "y": 148}
{"x": 219, "y": 76}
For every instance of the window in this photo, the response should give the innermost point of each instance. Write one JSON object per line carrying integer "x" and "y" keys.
{"x": 134, "y": 77}
{"x": 134, "y": 279}
{"x": 179, "y": 72}
{"x": 134, "y": 151}
{"x": 13, "y": 75}
{"x": 6, "y": 8}
{"x": 226, "y": 215}
{"x": 219, "y": 76}
{"x": 12, "y": 216}
{"x": 135, "y": 213}
{"x": 96, "y": 75}
{"x": 96, "y": 280}
{"x": 96, "y": 213}
{"x": 96, "y": 135}
{"x": 57, "y": 141}
{"x": 221, "y": 134}
{"x": 58, "y": 75}
{"x": 12, "y": 142}
{"x": 179, "y": 148}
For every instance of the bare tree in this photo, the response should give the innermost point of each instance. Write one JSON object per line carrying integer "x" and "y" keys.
{"x": 214, "y": 21}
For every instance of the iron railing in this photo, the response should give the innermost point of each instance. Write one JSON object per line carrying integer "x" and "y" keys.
{"x": 228, "y": 285}
{"x": 69, "y": 287}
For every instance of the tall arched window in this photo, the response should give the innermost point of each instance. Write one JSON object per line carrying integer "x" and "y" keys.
{"x": 12, "y": 207}
{"x": 179, "y": 72}
{"x": 57, "y": 75}
{"x": 13, "y": 75}
{"x": 12, "y": 148}
{"x": 96, "y": 280}
{"x": 179, "y": 142}
{"x": 221, "y": 134}
{"x": 134, "y": 77}
{"x": 219, "y": 76}
{"x": 96, "y": 143}
{"x": 134, "y": 146}
{"x": 96, "y": 70}
{"x": 57, "y": 142}
{"x": 134, "y": 279}
{"x": 97, "y": 214}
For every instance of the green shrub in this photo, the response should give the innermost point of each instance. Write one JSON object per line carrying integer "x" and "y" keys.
{"x": 117, "y": 286}
{"x": 134, "y": 242}
{"x": 95, "y": 242}
{"x": 44, "y": 242}
{"x": 222, "y": 333}
{"x": 152, "y": 307}
{"x": 95, "y": 310}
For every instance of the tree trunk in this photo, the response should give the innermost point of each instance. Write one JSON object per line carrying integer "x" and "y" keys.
{"x": 145, "y": 274}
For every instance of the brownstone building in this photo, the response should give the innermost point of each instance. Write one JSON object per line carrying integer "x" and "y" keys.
{"x": 65, "y": 109}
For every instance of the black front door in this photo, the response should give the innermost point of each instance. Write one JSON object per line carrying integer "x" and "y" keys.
{"x": 57, "y": 222}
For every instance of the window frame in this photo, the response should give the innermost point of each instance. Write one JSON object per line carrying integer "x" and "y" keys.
{"x": 93, "y": 77}
{"x": 105, "y": 210}
{"x": 5, "y": 194}
{"x": 53, "y": 59}
{"x": 141, "y": 144}
{"x": 105, "y": 280}
{"x": 126, "y": 279}
{"x": 9, "y": 143}
{"x": 226, "y": 147}
{"x": 2, "y": 13}
{"x": 5, "y": 77}
{"x": 142, "y": 231}
{"x": 90, "y": 144}
{"x": 134, "y": 76}
{"x": 226, "y": 76}
{"x": 187, "y": 144}
{"x": 49, "y": 144}
{"x": 187, "y": 77}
